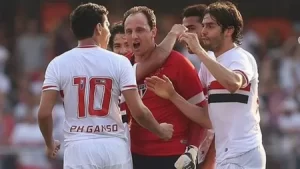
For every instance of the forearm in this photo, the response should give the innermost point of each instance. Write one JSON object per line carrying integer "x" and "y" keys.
{"x": 193, "y": 112}
{"x": 147, "y": 121}
{"x": 210, "y": 159}
{"x": 157, "y": 57}
{"x": 227, "y": 78}
{"x": 196, "y": 134}
{"x": 168, "y": 43}
{"x": 46, "y": 127}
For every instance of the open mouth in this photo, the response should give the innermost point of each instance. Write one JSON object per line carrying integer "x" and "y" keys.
{"x": 136, "y": 45}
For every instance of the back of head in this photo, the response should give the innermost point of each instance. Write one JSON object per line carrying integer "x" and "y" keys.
{"x": 116, "y": 28}
{"x": 85, "y": 18}
{"x": 227, "y": 16}
{"x": 149, "y": 13}
{"x": 194, "y": 10}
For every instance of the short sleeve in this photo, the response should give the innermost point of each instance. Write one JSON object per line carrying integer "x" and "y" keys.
{"x": 127, "y": 75}
{"x": 190, "y": 86}
{"x": 51, "y": 81}
{"x": 242, "y": 65}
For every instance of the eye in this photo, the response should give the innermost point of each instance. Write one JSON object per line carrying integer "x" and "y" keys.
{"x": 116, "y": 46}
{"x": 139, "y": 30}
{"x": 191, "y": 28}
{"x": 128, "y": 32}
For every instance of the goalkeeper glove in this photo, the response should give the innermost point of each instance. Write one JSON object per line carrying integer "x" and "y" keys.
{"x": 188, "y": 160}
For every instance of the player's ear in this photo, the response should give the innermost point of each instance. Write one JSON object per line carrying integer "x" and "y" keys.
{"x": 154, "y": 32}
{"x": 229, "y": 31}
{"x": 98, "y": 29}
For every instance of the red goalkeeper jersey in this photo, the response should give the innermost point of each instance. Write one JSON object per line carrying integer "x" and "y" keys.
{"x": 186, "y": 82}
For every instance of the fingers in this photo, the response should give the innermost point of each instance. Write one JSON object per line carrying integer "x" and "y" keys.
{"x": 183, "y": 39}
{"x": 166, "y": 79}
{"x": 152, "y": 89}
{"x": 158, "y": 80}
{"x": 150, "y": 82}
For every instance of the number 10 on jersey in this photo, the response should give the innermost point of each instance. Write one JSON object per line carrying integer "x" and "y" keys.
{"x": 87, "y": 92}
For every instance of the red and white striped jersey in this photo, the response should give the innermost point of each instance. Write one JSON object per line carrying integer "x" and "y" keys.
{"x": 234, "y": 116}
{"x": 90, "y": 80}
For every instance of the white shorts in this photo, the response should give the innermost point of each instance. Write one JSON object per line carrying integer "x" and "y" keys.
{"x": 104, "y": 153}
{"x": 253, "y": 159}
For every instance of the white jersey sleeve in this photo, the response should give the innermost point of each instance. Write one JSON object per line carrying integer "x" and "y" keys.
{"x": 127, "y": 75}
{"x": 244, "y": 66}
{"x": 51, "y": 81}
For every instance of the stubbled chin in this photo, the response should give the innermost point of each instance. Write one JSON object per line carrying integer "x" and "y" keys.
{"x": 137, "y": 52}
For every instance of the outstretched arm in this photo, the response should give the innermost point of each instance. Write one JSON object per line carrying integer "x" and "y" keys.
{"x": 160, "y": 54}
{"x": 193, "y": 112}
{"x": 165, "y": 89}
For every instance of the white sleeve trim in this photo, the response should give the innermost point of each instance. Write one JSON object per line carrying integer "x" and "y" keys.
{"x": 198, "y": 98}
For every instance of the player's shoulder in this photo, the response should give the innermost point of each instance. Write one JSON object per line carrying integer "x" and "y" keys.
{"x": 242, "y": 54}
{"x": 179, "y": 59}
{"x": 63, "y": 57}
{"x": 176, "y": 55}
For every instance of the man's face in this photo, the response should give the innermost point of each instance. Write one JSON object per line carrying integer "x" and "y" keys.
{"x": 194, "y": 25}
{"x": 212, "y": 35}
{"x": 138, "y": 33}
{"x": 120, "y": 44}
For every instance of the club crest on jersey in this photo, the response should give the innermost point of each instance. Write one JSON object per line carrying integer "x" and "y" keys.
{"x": 142, "y": 89}
{"x": 100, "y": 81}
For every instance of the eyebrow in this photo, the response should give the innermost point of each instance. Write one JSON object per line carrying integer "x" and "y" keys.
{"x": 209, "y": 23}
{"x": 190, "y": 26}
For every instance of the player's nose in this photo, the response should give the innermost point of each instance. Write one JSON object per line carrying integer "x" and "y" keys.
{"x": 123, "y": 51}
{"x": 134, "y": 35}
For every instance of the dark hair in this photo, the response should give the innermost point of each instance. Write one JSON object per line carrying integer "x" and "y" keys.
{"x": 85, "y": 18}
{"x": 149, "y": 13}
{"x": 227, "y": 16}
{"x": 194, "y": 10}
{"x": 116, "y": 28}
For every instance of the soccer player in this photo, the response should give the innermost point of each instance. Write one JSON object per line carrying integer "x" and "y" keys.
{"x": 192, "y": 20}
{"x": 117, "y": 41}
{"x": 90, "y": 80}
{"x": 232, "y": 81}
{"x": 147, "y": 150}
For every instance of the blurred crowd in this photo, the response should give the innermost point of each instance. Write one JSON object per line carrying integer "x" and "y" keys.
{"x": 24, "y": 57}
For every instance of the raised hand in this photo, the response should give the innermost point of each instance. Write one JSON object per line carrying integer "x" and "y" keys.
{"x": 178, "y": 29}
{"x": 161, "y": 87}
{"x": 192, "y": 42}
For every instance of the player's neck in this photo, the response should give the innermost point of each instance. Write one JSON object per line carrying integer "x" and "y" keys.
{"x": 146, "y": 55}
{"x": 224, "y": 48}
{"x": 88, "y": 42}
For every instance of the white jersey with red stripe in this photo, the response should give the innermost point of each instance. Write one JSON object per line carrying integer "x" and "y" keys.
{"x": 90, "y": 80}
{"x": 234, "y": 116}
